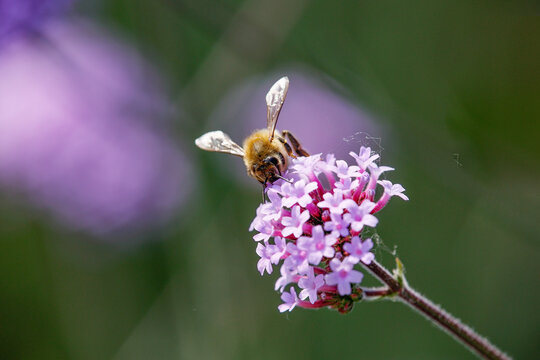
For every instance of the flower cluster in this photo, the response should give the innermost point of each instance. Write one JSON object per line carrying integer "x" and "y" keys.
{"x": 314, "y": 223}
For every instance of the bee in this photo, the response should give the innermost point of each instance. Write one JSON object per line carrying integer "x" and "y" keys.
{"x": 265, "y": 152}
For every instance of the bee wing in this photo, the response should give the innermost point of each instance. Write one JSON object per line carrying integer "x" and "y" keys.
{"x": 274, "y": 101}
{"x": 218, "y": 141}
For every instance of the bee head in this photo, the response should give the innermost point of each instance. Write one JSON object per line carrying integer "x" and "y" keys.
{"x": 267, "y": 170}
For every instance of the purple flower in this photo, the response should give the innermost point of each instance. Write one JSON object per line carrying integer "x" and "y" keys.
{"x": 375, "y": 171}
{"x": 393, "y": 189}
{"x": 318, "y": 252}
{"x": 338, "y": 224}
{"x": 264, "y": 263}
{"x": 308, "y": 166}
{"x": 326, "y": 166}
{"x": 28, "y": 15}
{"x": 265, "y": 229}
{"x": 297, "y": 193}
{"x": 272, "y": 210}
{"x": 347, "y": 185}
{"x": 343, "y": 275}
{"x": 258, "y": 219}
{"x": 279, "y": 249}
{"x": 319, "y": 245}
{"x": 359, "y": 251}
{"x": 344, "y": 171}
{"x": 294, "y": 223}
{"x": 298, "y": 258}
{"x": 333, "y": 202}
{"x": 364, "y": 157}
{"x": 82, "y": 132}
{"x": 290, "y": 300}
{"x": 359, "y": 215}
{"x": 309, "y": 285}
{"x": 389, "y": 191}
{"x": 288, "y": 275}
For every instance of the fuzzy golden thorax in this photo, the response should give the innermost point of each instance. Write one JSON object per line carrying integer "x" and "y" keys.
{"x": 265, "y": 160}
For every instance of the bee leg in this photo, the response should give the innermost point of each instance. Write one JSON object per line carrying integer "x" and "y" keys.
{"x": 298, "y": 149}
{"x": 287, "y": 147}
{"x": 264, "y": 192}
{"x": 285, "y": 179}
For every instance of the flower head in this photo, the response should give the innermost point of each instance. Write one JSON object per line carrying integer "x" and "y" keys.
{"x": 317, "y": 229}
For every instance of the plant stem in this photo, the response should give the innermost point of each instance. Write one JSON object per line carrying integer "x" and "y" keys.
{"x": 461, "y": 332}
{"x": 376, "y": 293}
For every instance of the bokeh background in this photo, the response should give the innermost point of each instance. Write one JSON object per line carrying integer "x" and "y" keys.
{"x": 121, "y": 240}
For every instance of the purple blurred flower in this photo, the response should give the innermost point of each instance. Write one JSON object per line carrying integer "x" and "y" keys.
{"x": 27, "y": 15}
{"x": 79, "y": 133}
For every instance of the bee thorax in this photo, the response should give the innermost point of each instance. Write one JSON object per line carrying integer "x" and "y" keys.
{"x": 265, "y": 159}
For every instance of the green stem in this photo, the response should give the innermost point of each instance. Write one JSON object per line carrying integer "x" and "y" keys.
{"x": 461, "y": 332}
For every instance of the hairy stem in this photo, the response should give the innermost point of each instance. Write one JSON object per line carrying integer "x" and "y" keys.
{"x": 461, "y": 332}
{"x": 376, "y": 293}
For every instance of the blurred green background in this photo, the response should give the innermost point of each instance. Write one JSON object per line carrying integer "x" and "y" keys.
{"x": 457, "y": 86}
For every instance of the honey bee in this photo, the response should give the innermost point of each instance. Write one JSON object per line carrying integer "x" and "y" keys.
{"x": 265, "y": 152}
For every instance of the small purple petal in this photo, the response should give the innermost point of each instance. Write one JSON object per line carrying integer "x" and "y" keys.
{"x": 290, "y": 300}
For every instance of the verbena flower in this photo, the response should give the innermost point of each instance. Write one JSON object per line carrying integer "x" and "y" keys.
{"x": 315, "y": 221}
